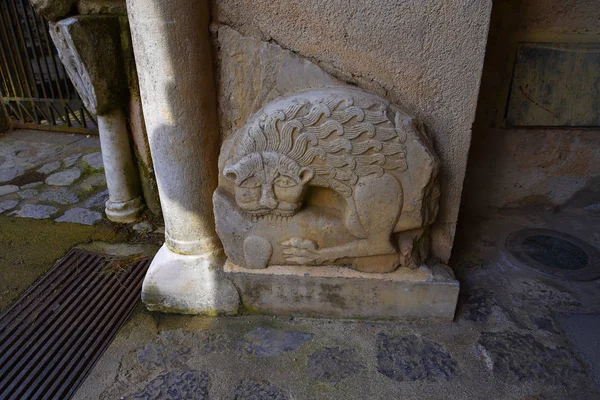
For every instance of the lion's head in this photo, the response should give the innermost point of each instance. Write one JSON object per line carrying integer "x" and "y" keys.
{"x": 324, "y": 139}
{"x": 269, "y": 182}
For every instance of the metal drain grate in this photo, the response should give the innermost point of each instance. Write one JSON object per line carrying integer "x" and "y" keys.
{"x": 554, "y": 253}
{"x": 51, "y": 337}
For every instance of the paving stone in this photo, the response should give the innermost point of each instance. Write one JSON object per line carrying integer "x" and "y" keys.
{"x": 476, "y": 304}
{"x": 98, "y": 200}
{"x": 50, "y": 167}
{"x": 265, "y": 342}
{"x": 517, "y": 358}
{"x": 176, "y": 385}
{"x": 80, "y": 216}
{"x": 532, "y": 292}
{"x": 28, "y": 193}
{"x": 93, "y": 181}
{"x": 35, "y": 211}
{"x": 94, "y": 160}
{"x": 532, "y": 303}
{"x": 6, "y": 189}
{"x": 167, "y": 351}
{"x": 60, "y": 196}
{"x": 8, "y": 205}
{"x": 63, "y": 178}
{"x": 32, "y": 185}
{"x": 142, "y": 227}
{"x": 160, "y": 230}
{"x": 68, "y": 162}
{"x": 211, "y": 342}
{"x": 582, "y": 331}
{"x": 413, "y": 358}
{"x": 10, "y": 173}
{"x": 333, "y": 364}
{"x": 254, "y": 389}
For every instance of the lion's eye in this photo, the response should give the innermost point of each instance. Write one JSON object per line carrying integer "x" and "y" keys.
{"x": 251, "y": 182}
{"x": 284, "y": 181}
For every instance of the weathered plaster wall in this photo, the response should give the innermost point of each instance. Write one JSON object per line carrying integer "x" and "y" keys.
{"x": 529, "y": 167}
{"x": 424, "y": 55}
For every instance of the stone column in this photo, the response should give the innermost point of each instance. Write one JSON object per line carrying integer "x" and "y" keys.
{"x": 124, "y": 202}
{"x": 174, "y": 65}
{"x": 90, "y": 49}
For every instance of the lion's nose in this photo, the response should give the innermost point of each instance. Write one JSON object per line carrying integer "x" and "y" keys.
{"x": 267, "y": 199}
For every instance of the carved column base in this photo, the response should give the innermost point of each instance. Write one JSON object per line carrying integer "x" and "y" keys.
{"x": 126, "y": 211}
{"x": 339, "y": 292}
{"x": 189, "y": 285}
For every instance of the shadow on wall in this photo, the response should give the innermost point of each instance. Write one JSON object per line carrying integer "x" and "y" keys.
{"x": 529, "y": 167}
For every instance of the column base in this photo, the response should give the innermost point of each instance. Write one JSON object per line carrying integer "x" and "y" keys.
{"x": 126, "y": 211}
{"x": 188, "y": 284}
{"x": 425, "y": 293}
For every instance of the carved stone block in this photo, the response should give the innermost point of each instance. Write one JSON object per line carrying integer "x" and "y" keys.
{"x": 338, "y": 292}
{"x": 90, "y": 49}
{"x": 52, "y": 9}
{"x": 331, "y": 176}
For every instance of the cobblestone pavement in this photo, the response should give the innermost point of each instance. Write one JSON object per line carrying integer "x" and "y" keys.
{"x": 505, "y": 343}
{"x": 46, "y": 175}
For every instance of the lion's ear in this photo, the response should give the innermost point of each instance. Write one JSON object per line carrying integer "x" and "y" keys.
{"x": 306, "y": 174}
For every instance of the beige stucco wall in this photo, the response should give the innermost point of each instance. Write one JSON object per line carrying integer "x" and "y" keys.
{"x": 529, "y": 167}
{"x": 424, "y": 55}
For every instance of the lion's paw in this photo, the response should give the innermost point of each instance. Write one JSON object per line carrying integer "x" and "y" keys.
{"x": 301, "y": 251}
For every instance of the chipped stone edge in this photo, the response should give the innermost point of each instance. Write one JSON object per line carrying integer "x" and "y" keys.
{"x": 440, "y": 274}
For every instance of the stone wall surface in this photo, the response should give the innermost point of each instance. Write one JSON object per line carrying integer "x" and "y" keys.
{"x": 425, "y": 56}
{"x": 534, "y": 167}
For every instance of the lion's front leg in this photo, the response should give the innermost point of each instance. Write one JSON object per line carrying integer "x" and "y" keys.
{"x": 376, "y": 204}
{"x": 306, "y": 251}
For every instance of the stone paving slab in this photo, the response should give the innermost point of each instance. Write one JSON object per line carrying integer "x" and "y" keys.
{"x": 583, "y": 331}
{"x": 68, "y": 162}
{"x": 6, "y": 189}
{"x": 7, "y": 205}
{"x": 36, "y": 211}
{"x": 47, "y": 175}
{"x": 50, "y": 167}
{"x": 63, "y": 178}
{"x": 94, "y": 160}
{"x": 7, "y": 174}
{"x": 504, "y": 343}
{"x": 61, "y": 196}
{"x": 80, "y": 216}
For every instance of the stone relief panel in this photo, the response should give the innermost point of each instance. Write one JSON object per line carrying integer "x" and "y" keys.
{"x": 73, "y": 64}
{"x": 90, "y": 49}
{"x": 331, "y": 176}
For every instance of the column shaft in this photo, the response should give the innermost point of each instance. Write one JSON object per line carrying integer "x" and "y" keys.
{"x": 124, "y": 203}
{"x": 174, "y": 63}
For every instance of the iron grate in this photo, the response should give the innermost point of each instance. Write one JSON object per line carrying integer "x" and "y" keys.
{"x": 52, "y": 336}
{"x": 554, "y": 253}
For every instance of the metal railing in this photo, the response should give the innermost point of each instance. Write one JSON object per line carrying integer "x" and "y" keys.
{"x": 36, "y": 91}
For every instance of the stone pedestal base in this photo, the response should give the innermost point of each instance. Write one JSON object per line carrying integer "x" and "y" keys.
{"x": 188, "y": 285}
{"x": 126, "y": 211}
{"x": 337, "y": 292}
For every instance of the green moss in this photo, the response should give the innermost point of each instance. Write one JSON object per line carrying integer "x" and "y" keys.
{"x": 30, "y": 248}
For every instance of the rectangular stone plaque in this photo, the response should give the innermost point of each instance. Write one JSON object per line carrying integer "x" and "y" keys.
{"x": 555, "y": 84}
{"x": 339, "y": 292}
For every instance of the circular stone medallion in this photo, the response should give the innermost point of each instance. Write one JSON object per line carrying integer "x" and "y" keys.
{"x": 554, "y": 253}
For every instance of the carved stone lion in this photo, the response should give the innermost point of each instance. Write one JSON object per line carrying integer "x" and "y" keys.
{"x": 364, "y": 165}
